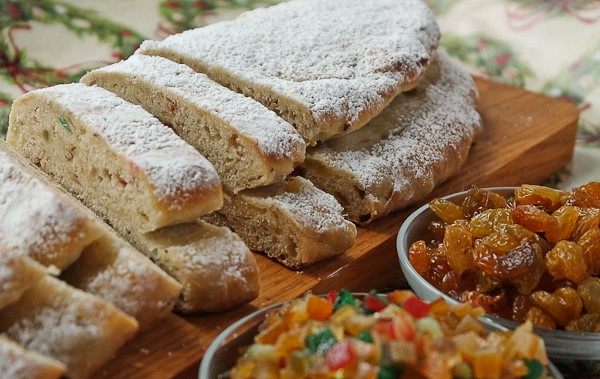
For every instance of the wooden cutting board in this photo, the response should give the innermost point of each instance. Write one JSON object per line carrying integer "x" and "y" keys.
{"x": 527, "y": 137}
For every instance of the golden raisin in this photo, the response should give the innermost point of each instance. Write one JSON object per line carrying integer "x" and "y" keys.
{"x": 484, "y": 223}
{"x": 540, "y": 318}
{"x": 587, "y": 195}
{"x": 418, "y": 257}
{"x": 539, "y": 195}
{"x": 584, "y": 224}
{"x": 589, "y": 291}
{"x": 563, "y": 305}
{"x": 533, "y": 218}
{"x": 458, "y": 245}
{"x": 590, "y": 244}
{"x": 566, "y": 217}
{"x": 587, "y": 323}
{"x": 446, "y": 210}
{"x": 507, "y": 237}
{"x": 566, "y": 261}
{"x": 478, "y": 200}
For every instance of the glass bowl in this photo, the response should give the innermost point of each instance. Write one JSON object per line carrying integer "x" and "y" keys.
{"x": 560, "y": 345}
{"x": 224, "y": 351}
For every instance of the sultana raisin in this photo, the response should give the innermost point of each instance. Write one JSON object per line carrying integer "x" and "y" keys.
{"x": 546, "y": 197}
{"x": 458, "y": 245}
{"x": 484, "y": 223}
{"x": 563, "y": 305}
{"x": 446, "y": 210}
{"x": 520, "y": 307}
{"x": 566, "y": 217}
{"x": 507, "y": 237}
{"x": 540, "y": 318}
{"x": 524, "y": 266}
{"x": 589, "y": 291}
{"x": 533, "y": 218}
{"x": 587, "y": 195}
{"x": 437, "y": 228}
{"x": 566, "y": 261}
{"x": 584, "y": 224}
{"x": 418, "y": 256}
{"x": 478, "y": 200}
{"x": 491, "y": 303}
{"x": 587, "y": 323}
{"x": 590, "y": 244}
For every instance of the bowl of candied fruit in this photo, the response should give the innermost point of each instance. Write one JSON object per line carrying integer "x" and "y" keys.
{"x": 372, "y": 335}
{"x": 524, "y": 254}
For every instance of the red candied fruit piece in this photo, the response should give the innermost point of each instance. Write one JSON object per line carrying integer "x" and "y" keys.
{"x": 416, "y": 307}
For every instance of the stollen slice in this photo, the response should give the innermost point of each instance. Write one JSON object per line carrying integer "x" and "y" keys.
{"x": 325, "y": 68}
{"x": 17, "y": 273}
{"x": 249, "y": 145}
{"x": 418, "y": 141}
{"x": 69, "y": 325}
{"x": 16, "y": 362}
{"x": 292, "y": 221}
{"x": 98, "y": 145}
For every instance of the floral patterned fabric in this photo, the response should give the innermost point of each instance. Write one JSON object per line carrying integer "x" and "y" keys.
{"x": 548, "y": 46}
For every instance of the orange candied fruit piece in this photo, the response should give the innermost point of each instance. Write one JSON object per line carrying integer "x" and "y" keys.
{"x": 418, "y": 256}
{"x": 399, "y": 296}
{"x": 318, "y": 308}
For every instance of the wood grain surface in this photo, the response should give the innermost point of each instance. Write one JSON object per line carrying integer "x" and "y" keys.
{"x": 527, "y": 137}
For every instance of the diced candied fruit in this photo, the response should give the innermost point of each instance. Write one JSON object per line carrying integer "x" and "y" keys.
{"x": 563, "y": 305}
{"x": 485, "y": 222}
{"x": 590, "y": 243}
{"x": 566, "y": 217}
{"x": 446, "y": 210}
{"x": 487, "y": 364}
{"x": 539, "y": 195}
{"x": 587, "y": 195}
{"x": 589, "y": 291}
{"x": 318, "y": 308}
{"x": 566, "y": 261}
{"x": 540, "y": 318}
{"x": 399, "y": 296}
{"x": 418, "y": 256}
{"x": 533, "y": 218}
{"x": 458, "y": 245}
{"x": 587, "y": 323}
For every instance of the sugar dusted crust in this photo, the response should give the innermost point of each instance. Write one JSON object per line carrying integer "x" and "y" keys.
{"x": 423, "y": 137}
{"x": 17, "y": 273}
{"x": 249, "y": 145}
{"x": 16, "y": 362}
{"x": 113, "y": 156}
{"x": 324, "y": 77}
{"x": 291, "y": 221}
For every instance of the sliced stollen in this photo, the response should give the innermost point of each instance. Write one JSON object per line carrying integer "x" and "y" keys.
{"x": 41, "y": 224}
{"x": 108, "y": 266}
{"x": 74, "y": 327}
{"x": 215, "y": 267}
{"x": 17, "y": 274}
{"x": 16, "y": 362}
{"x": 146, "y": 174}
{"x": 292, "y": 221}
{"x": 326, "y": 69}
{"x": 249, "y": 145}
{"x": 418, "y": 141}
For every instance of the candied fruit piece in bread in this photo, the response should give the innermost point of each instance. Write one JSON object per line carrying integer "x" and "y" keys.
{"x": 74, "y": 327}
{"x": 98, "y": 145}
{"x": 323, "y": 77}
{"x": 249, "y": 145}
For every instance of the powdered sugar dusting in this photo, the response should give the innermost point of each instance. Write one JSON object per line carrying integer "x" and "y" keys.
{"x": 174, "y": 168}
{"x": 273, "y": 136}
{"x": 335, "y": 60}
{"x": 406, "y": 143}
{"x": 35, "y": 218}
{"x": 17, "y": 362}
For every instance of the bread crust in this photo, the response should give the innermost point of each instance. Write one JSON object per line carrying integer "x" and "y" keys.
{"x": 16, "y": 362}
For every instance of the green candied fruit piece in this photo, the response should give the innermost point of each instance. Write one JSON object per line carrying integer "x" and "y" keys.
{"x": 320, "y": 342}
{"x": 343, "y": 298}
{"x": 66, "y": 123}
{"x": 535, "y": 367}
{"x": 365, "y": 336}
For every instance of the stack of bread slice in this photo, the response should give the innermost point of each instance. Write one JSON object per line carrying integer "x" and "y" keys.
{"x": 275, "y": 132}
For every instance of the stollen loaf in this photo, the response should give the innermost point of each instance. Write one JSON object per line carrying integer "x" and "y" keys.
{"x": 325, "y": 68}
{"x": 16, "y": 362}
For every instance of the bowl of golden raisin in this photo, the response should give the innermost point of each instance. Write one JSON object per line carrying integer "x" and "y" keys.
{"x": 527, "y": 253}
